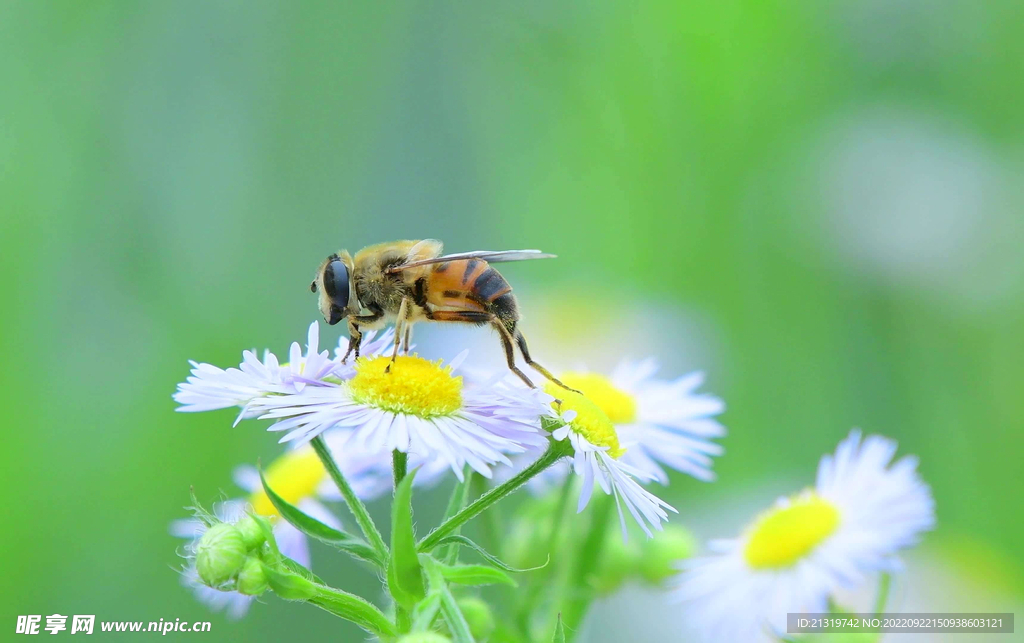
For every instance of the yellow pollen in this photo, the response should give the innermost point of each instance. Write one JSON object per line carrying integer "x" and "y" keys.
{"x": 590, "y": 421}
{"x": 618, "y": 405}
{"x": 782, "y": 536}
{"x": 413, "y": 387}
{"x": 293, "y": 476}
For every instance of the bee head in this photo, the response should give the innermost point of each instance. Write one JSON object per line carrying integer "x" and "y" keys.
{"x": 335, "y": 287}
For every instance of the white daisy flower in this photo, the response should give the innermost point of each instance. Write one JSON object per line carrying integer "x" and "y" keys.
{"x": 798, "y": 553}
{"x": 414, "y": 406}
{"x": 210, "y": 387}
{"x": 296, "y": 477}
{"x": 598, "y": 458}
{"x": 657, "y": 421}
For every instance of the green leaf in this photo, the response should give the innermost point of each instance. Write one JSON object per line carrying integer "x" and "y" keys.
{"x": 489, "y": 557}
{"x": 475, "y": 575}
{"x": 559, "y": 631}
{"x": 405, "y": 577}
{"x": 315, "y": 529}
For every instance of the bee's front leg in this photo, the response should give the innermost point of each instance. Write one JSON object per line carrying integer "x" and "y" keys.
{"x": 355, "y": 338}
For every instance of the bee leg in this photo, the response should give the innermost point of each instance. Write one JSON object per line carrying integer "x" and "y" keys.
{"x": 510, "y": 353}
{"x": 401, "y": 323}
{"x": 355, "y": 338}
{"x": 477, "y": 317}
{"x": 521, "y": 341}
{"x": 408, "y": 339}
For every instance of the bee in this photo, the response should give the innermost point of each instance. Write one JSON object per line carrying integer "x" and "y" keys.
{"x": 404, "y": 282}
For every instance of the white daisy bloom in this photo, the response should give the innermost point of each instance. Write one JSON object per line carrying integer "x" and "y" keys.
{"x": 798, "y": 553}
{"x": 414, "y": 406}
{"x": 658, "y": 421}
{"x": 598, "y": 458}
{"x": 296, "y": 477}
{"x": 210, "y": 387}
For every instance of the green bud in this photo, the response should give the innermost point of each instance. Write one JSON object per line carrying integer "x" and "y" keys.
{"x": 252, "y": 581}
{"x": 659, "y": 554}
{"x": 220, "y": 554}
{"x": 478, "y": 615}
{"x": 424, "y": 637}
{"x": 252, "y": 533}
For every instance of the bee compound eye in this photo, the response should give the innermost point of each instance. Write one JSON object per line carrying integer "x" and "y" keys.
{"x": 336, "y": 283}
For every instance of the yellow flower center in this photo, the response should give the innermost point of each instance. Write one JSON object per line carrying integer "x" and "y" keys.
{"x": 414, "y": 386}
{"x": 590, "y": 421}
{"x": 618, "y": 405}
{"x": 782, "y": 536}
{"x": 293, "y": 476}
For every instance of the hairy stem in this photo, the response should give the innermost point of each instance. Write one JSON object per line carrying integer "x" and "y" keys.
{"x": 355, "y": 505}
{"x": 556, "y": 450}
{"x": 587, "y": 558}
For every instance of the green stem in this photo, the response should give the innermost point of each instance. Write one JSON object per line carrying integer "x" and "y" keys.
{"x": 559, "y": 516}
{"x": 539, "y": 580}
{"x": 491, "y": 521}
{"x": 588, "y": 557}
{"x": 399, "y": 466}
{"x": 355, "y": 609}
{"x": 884, "y": 584}
{"x": 355, "y": 505}
{"x": 556, "y": 450}
{"x": 457, "y": 502}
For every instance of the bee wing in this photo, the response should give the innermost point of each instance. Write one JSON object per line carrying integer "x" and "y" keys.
{"x": 425, "y": 249}
{"x": 491, "y": 256}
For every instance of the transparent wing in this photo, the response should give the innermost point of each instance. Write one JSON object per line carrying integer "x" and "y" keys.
{"x": 491, "y": 256}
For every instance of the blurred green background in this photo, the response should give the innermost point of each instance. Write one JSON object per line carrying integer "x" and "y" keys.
{"x": 827, "y": 196}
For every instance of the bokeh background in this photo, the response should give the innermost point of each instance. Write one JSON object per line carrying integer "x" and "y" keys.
{"x": 820, "y": 204}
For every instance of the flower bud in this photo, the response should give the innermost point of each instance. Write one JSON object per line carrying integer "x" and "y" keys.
{"x": 659, "y": 555}
{"x": 252, "y": 533}
{"x": 252, "y": 581}
{"x": 478, "y": 616}
{"x": 220, "y": 554}
{"x": 424, "y": 637}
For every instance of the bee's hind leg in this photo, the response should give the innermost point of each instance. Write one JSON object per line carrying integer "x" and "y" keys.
{"x": 510, "y": 354}
{"x": 521, "y": 341}
{"x": 478, "y": 317}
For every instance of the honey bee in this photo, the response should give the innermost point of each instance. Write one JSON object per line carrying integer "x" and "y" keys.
{"x": 403, "y": 282}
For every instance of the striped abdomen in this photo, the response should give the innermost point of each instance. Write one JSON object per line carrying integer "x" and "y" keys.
{"x": 472, "y": 284}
